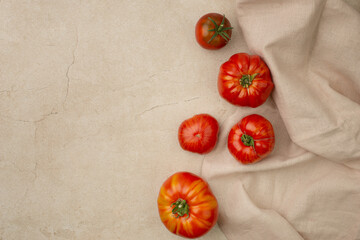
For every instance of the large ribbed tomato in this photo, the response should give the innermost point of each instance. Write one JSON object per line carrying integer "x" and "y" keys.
{"x": 251, "y": 139}
{"x": 245, "y": 80}
{"x": 187, "y": 207}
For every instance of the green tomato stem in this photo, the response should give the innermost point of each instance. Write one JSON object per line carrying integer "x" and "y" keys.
{"x": 247, "y": 140}
{"x": 181, "y": 208}
{"x": 247, "y": 79}
{"x": 219, "y": 30}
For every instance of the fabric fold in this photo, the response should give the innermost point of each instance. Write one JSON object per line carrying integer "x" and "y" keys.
{"x": 300, "y": 42}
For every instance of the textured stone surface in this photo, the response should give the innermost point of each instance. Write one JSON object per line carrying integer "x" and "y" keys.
{"x": 91, "y": 96}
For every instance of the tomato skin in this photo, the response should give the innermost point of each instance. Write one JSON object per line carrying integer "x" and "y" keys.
{"x": 261, "y": 130}
{"x": 203, "y": 206}
{"x": 199, "y": 133}
{"x": 231, "y": 73}
{"x": 203, "y": 35}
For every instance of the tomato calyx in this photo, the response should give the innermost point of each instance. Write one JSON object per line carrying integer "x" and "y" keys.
{"x": 247, "y": 140}
{"x": 247, "y": 79}
{"x": 181, "y": 208}
{"x": 219, "y": 30}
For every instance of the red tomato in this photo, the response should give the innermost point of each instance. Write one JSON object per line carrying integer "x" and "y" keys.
{"x": 187, "y": 207}
{"x": 199, "y": 133}
{"x": 251, "y": 139}
{"x": 213, "y": 31}
{"x": 245, "y": 80}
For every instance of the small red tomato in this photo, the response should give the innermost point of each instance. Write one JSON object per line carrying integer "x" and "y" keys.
{"x": 187, "y": 206}
{"x": 251, "y": 139}
{"x": 245, "y": 80}
{"x": 213, "y": 31}
{"x": 199, "y": 133}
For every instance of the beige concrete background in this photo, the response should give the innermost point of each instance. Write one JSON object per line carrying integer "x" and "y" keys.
{"x": 91, "y": 97}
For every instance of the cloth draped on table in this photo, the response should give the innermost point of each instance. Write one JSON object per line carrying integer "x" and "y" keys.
{"x": 309, "y": 187}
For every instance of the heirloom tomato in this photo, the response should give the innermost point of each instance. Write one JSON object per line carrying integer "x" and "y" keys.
{"x": 199, "y": 133}
{"x": 213, "y": 31}
{"x": 187, "y": 206}
{"x": 245, "y": 80}
{"x": 251, "y": 139}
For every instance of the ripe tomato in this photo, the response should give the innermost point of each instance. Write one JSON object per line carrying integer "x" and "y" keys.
{"x": 187, "y": 207}
{"x": 199, "y": 133}
{"x": 251, "y": 139}
{"x": 245, "y": 80}
{"x": 213, "y": 31}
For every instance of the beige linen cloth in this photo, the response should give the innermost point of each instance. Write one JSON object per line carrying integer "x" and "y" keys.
{"x": 309, "y": 187}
